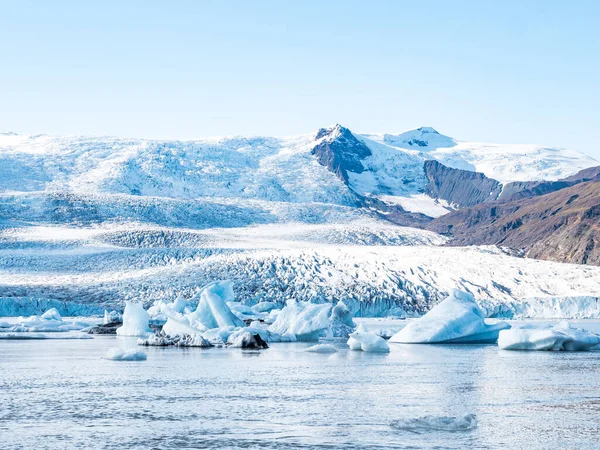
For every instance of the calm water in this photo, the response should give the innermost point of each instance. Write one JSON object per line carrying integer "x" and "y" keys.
{"x": 61, "y": 394}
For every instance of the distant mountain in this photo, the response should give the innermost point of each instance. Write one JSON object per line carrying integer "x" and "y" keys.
{"x": 563, "y": 225}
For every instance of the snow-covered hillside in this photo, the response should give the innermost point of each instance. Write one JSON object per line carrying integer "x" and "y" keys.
{"x": 266, "y": 168}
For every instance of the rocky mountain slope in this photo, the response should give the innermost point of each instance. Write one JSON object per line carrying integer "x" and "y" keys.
{"x": 563, "y": 225}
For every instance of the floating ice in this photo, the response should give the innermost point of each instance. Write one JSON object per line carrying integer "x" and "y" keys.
{"x": 50, "y": 321}
{"x": 164, "y": 340}
{"x": 112, "y": 317}
{"x": 118, "y": 354}
{"x": 36, "y": 336}
{"x": 322, "y": 348}
{"x": 560, "y": 337}
{"x": 135, "y": 321}
{"x": 433, "y": 423}
{"x": 245, "y": 339}
{"x": 367, "y": 342}
{"x": 341, "y": 323}
{"x": 51, "y": 314}
{"x": 457, "y": 319}
{"x": 306, "y": 321}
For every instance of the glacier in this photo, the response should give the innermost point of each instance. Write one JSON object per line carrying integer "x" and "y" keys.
{"x": 90, "y": 223}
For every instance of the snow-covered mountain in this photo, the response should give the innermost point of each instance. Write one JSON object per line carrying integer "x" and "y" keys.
{"x": 100, "y": 220}
{"x": 293, "y": 170}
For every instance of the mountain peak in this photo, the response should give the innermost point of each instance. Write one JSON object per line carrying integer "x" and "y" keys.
{"x": 423, "y": 138}
{"x": 333, "y": 132}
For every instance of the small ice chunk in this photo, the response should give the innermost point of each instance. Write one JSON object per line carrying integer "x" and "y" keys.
{"x": 244, "y": 339}
{"x": 112, "y": 317}
{"x": 322, "y": 348}
{"x": 367, "y": 342}
{"x": 433, "y": 423}
{"x": 164, "y": 340}
{"x": 341, "y": 323}
{"x": 458, "y": 319}
{"x": 135, "y": 321}
{"x": 51, "y": 314}
{"x": 307, "y": 321}
{"x": 561, "y": 337}
{"x": 118, "y": 354}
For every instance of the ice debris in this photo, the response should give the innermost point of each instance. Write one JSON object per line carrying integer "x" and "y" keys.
{"x": 118, "y": 354}
{"x": 458, "y": 319}
{"x": 164, "y": 340}
{"x": 322, "y": 348}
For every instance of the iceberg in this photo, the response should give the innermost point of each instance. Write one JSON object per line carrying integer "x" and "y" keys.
{"x": 562, "y": 337}
{"x": 117, "y": 354}
{"x": 322, "y": 348}
{"x": 341, "y": 323}
{"x": 112, "y": 317}
{"x": 304, "y": 320}
{"x": 367, "y": 342}
{"x": 135, "y": 321}
{"x": 458, "y": 319}
{"x": 212, "y": 312}
{"x": 51, "y": 314}
{"x": 245, "y": 339}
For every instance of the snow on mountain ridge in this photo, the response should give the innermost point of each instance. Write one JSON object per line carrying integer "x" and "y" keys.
{"x": 289, "y": 169}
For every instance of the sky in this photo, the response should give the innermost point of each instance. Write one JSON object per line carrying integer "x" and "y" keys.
{"x": 506, "y": 72}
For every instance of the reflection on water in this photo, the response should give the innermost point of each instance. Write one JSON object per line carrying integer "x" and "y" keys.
{"x": 61, "y": 394}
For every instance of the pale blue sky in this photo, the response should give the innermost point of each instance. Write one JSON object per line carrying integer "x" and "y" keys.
{"x": 520, "y": 72}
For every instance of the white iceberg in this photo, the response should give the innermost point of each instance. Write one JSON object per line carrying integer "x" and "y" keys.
{"x": 322, "y": 348}
{"x": 212, "y": 312}
{"x": 304, "y": 320}
{"x": 560, "y": 337}
{"x": 135, "y": 321}
{"x": 51, "y": 314}
{"x": 367, "y": 342}
{"x": 118, "y": 354}
{"x": 458, "y": 319}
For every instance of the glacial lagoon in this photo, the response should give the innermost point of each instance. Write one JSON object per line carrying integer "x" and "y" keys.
{"x": 62, "y": 394}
